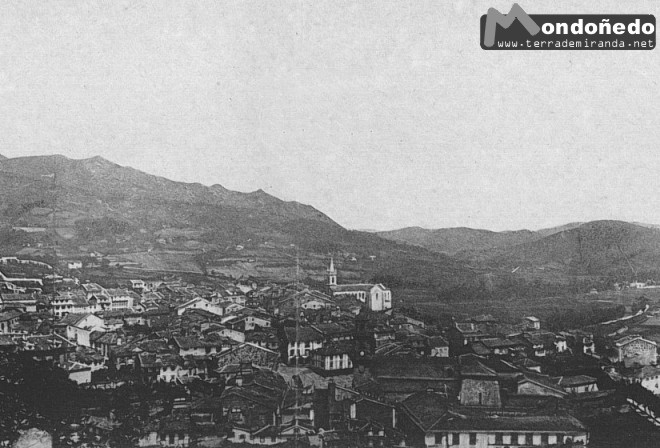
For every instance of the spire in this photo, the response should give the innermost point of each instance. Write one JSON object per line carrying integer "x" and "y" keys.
{"x": 332, "y": 273}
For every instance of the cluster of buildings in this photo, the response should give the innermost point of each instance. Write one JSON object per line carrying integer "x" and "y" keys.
{"x": 275, "y": 364}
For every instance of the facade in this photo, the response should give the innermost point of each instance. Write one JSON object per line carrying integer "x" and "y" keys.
{"x": 635, "y": 350}
{"x": 200, "y": 304}
{"x": 79, "y": 328}
{"x": 332, "y": 358}
{"x": 375, "y": 296}
{"x": 8, "y": 319}
{"x": 301, "y": 343}
{"x": 428, "y": 421}
{"x": 578, "y": 384}
{"x": 648, "y": 377}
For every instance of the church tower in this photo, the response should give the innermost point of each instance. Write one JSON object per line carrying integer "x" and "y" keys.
{"x": 332, "y": 273}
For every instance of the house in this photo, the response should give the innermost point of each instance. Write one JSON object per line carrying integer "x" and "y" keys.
{"x": 635, "y": 350}
{"x": 74, "y": 264}
{"x": 560, "y": 343}
{"x": 256, "y": 319}
{"x": 463, "y": 334}
{"x": 267, "y": 435}
{"x": 532, "y": 323}
{"x": 538, "y": 343}
{"x": 580, "y": 342}
{"x": 533, "y": 383}
{"x": 399, "y": 376}
{"x": 138, "y": 286}
{"x": 494, "y": 346}
{"x": 296, "y": 430}
{"x": 383, "y": 335}
{"x": 335, "y": 331}
{"x": 439, "y": 347}
{"x": 252, "y": 354}
{"x": 578, "y": 384}
{"x": 200, "y": 304}
{"x": 480, "y": 387}
{"x": 104, "y": 342}
{"x": 75, "y": 301}
{"x": 333, "y": 358}
{"x": 122, "y": 299}
{"x": 161, "y": 367}
{"x": 647, "y": 376}
{"x": 265, "y": 339}
{"x": 299, "y": 343}
{"x": 528, "y": 364}
{"x": 8, "y": 320}
{"x": 307, "y": 299}
{"x": 257, "y": 403}
{"x": 7, "y": 344}
{"x": 27, "y": 302}
{"x": 428, "y": 419}
{"x": 171, "y": 431}
{"x": 78, "y": 373}
{"x": 79, "y": 327}
{"x": 195, "y": 346}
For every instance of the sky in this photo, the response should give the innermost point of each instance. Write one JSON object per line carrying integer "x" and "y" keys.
{"x": 382, "y": 114}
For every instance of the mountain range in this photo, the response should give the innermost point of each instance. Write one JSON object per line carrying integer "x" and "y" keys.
{"x": 614, "y": 249}
{"x": 93, "y": 205}
{"x": 61, "y": 207}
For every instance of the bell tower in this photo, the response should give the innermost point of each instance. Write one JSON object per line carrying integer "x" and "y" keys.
{"x": 332, "y": 273}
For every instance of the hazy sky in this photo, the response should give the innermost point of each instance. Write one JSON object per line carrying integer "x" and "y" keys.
{"x": 382, "y": 114}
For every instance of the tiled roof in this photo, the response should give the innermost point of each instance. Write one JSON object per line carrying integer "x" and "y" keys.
{"x": 407, "y": 367}
{"x": 358, "y": 287}
{"x": 303, "y": 334}
{"x": 426, "y": 408}
{"x": 577, "y": 380}
{"x": 552, "y": 423}
{"x": 74, "y": 319}
{"x": 8, "y": 315}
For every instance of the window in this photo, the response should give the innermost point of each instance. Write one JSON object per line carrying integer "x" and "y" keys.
{"x": 499, "y": 439}
{"x": 455, "y": 437}
{"x": 514, "y": 439}
{"x": 544, "y": 439}
{"x": 473, "y": 438}
{"x": 273, "y": 439}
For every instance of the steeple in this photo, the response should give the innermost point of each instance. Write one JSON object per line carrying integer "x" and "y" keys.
{"x": 332, "y": 273}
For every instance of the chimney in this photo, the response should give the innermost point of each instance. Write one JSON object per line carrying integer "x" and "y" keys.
{"x": 332, "y": 387}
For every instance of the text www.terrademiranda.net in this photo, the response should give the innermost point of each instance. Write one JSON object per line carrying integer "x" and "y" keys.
{"x": 570, "y": 43}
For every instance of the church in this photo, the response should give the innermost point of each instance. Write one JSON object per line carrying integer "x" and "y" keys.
{"x": 376, "y": 296}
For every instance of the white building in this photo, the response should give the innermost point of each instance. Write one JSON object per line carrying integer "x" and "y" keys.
{"x": 79, "y": 327}
{"x": 199, "y": 303}
{"x": 377, "y": 297}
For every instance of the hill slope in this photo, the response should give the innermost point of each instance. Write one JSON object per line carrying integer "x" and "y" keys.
{"x": 598, "y": 248}
{"x": 458, "y": 240}
{"x": 96, "y": 205}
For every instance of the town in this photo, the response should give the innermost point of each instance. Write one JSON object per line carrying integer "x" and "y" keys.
{"x": 240, "y": 363}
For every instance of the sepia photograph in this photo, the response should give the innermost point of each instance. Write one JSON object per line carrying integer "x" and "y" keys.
{"x": 329, "y": 224}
